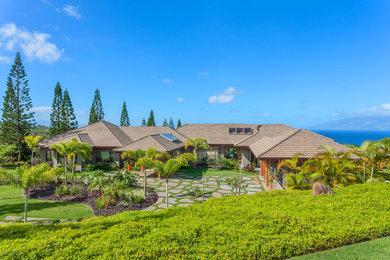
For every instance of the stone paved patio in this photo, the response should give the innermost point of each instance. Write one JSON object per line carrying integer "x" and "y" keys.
{"x": 180, "y": 184}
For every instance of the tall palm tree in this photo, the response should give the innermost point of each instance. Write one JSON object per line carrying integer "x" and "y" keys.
{"x": 65, "y": 150}
{"x": 28, "y": 178}
{"x": 197, "y": 144}
{"x": 32, "y": 142}
{"x": 128, "y": 155}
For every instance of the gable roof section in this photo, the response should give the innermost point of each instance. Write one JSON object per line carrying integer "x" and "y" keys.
{"x": 303, "y": 141}
{"x": 218, "y": 134}
{"x": 156, "y": 141}
{"x": 99, "y": 134}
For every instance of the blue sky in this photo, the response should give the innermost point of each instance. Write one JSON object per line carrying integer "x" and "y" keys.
{"x": 295, "y": 62}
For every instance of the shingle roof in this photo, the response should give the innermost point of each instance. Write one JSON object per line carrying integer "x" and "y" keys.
{"x": 302, "y": 141}
{"x": 100, "y": 134}
{"x": 137, "y": 132}
{"x": 156, "y": 141}
{"x": 218, "y": 134}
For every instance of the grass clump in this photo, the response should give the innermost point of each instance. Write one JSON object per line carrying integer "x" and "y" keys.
{"x": 266, "y": 225}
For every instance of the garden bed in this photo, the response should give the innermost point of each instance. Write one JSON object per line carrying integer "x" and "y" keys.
{"x": 47, "y": 192}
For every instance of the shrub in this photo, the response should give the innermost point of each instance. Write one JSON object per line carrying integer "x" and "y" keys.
{"x": 65, "y": 190}
{"x": 58, "y": 191}
{"x": 128, "y": 178}
{"x": 266, "y": 225}
{"x": 78, "y": 190}
{"x": 100, "y": 203}
{"x": 71, "y": 191}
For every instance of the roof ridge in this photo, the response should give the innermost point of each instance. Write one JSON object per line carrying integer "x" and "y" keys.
{"x": 246, "y": 138}
{"x": 104, "y": 123}
{"x": 282, "y": 141}
{"x": 59, "y": 139}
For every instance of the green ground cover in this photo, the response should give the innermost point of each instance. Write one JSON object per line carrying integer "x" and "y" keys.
{"x": 265, "y": 225}
{"x": 375, "y": 249}
{"x": 12, "y": 204}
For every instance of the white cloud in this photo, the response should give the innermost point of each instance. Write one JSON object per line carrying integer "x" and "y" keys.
{"x": 34, "y": 45}
{"x": 71, "y": 10}
{"x": 202, "y": 74}
{"x": 180, "y": 99}
{"x": 336, "y": 114}
{"x": 5, "y": 59}
{"x": 41, "y": 109}
{"x": 46, "y": 2}
{"x": 166, "y": 81}
{"x": 381, "y": 110}
{"x": 266, "y": 115}
{"x": 226, "y": 96}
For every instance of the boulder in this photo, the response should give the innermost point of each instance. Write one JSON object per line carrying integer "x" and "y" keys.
{"x": 320, "y": 189}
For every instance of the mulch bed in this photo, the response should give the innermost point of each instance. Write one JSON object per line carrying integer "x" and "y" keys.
{"x": 47, "y": 192}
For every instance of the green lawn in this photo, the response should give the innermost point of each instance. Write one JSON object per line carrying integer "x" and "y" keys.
{"x": 375, "y": 249}
{"x": 12, "y": 204}
{"x": 213, "y": 172}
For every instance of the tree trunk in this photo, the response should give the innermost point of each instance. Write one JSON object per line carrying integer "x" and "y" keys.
{"x": 25, "y": 205}
{"x": 128, "y": 164}
{"x": 145, "y": 183}
{"x": 73, "y": 166}
{"x": 202, "y": 185}
{"x": 166, "y": 192}
{"x": 239, "y": 187}
{"x": 32, "y": 157}
{"x": 66, "y": 172}
{"x": 372, "y": 172}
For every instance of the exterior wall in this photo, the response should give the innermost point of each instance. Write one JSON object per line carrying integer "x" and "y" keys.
{"x": 246, "y": 157}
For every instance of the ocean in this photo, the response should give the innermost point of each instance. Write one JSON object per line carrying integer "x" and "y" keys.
{"x": 354, "y": 136}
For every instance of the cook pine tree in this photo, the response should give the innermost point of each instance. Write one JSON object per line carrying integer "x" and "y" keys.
{"x": 151, "y": 121}
{"x": 55, "y": 115}
{"x": 96, "y": 114}
{"x": 125, "y": 121}
{"x": 165, "y": 123}
{"x": 17, "y": 119}
{"x": 143, "y": 122}
{"x": 178, "y": 124}
{"x": 171, "y": 124}
{"x": 68, "y": 118}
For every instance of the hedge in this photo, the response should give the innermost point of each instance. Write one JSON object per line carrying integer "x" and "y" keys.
{"x": 267, "y": 225}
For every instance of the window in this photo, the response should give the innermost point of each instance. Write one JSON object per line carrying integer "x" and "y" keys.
{"x": 49, "y": 155}
{"x": 240, "y": 130}
{"x": 232, "y": 130}
{"x": 104, "y": 156}
{"x": 60, "y": 159}
{"x": 248, "y": 130}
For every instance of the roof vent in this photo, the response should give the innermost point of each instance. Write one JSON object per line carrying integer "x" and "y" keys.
{"x": 258, "y": 128}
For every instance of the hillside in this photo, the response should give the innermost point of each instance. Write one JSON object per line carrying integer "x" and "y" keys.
{"x": 276, "y": 224}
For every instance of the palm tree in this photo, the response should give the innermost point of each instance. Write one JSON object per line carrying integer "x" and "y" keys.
{"x": 32, "y": 142}
{"x": 83, "y": 150}
{"x": 65, "y": 150}
{"x": 28, "y": 178}
{"x": 163, "y": 157}
{"x": 145, "y": 163}
{"x": 197, "y": 144}
{"x": 297, "y": 175}
{"x": 128, "y": 155}
{"x": 373, "y": 156}
{"x": 170, "y": 167}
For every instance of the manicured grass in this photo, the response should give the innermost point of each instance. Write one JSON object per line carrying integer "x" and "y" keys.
{"x": 213, "y": 172}
{"x": 375, "y": 249}
{"x": 12, "y": 204}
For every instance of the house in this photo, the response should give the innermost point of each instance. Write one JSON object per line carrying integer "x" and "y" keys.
{"x": 263, "y": 145}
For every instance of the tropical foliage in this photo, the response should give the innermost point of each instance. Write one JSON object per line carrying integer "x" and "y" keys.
{"x": 366, "y": 163}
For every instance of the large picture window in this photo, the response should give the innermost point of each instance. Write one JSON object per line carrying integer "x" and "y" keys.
{"x": 104, "y": 156}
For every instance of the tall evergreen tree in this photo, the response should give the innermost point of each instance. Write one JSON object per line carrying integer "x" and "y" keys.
{"x": 68, "y": 118}
{"x": 96, "y": 114}
{"x": 178, "y": 123}
{"x": 165, "y": 123}
{"x": 143, "y": 122}
{"x": 171, "y": 124}
{"x": 55, "y": 115}
{"x": 151, "y": 119}
{"x": 125, "y": 121}
{"x": 17, "y": 120}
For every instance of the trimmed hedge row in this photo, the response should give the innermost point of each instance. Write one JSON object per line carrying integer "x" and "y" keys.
{"x": 276, "y": 224}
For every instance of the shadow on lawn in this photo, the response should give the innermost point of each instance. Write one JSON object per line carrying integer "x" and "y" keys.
{"x": 18, "y": 208}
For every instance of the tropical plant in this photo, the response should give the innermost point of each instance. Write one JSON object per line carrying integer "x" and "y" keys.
{"x": 145, "y": 163}
{"x": 197, "y": 144}
{"x": 170, "y": 167}
{"x": 32, "y": 142}
{"x": 65, "y": 150}
{"x": 27, "y": 178}
{"x": 77, "y": 148}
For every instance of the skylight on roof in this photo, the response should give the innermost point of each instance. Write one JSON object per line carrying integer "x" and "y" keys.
{"x": 170, "y": 137}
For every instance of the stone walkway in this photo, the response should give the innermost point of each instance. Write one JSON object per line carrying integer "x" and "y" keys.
{"x": 181, "y": 184}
